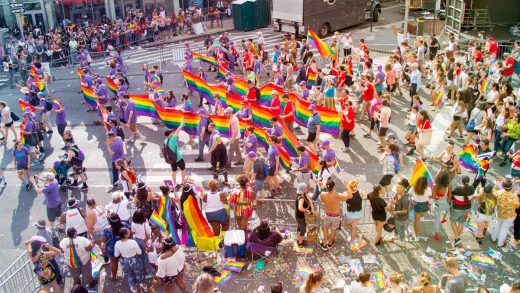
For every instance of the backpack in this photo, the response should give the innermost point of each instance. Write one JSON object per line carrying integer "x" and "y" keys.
{"x": 120, "y": 132}
{"x": 132, "y": 175}
{"x": 48, "y": 105}
{"x": 168, "y": 154}
{"x": 208, "y": 122}
{"x": 265, "y": 168}
{"x": 397, "y": 165}
{"x": 80, "y": 155}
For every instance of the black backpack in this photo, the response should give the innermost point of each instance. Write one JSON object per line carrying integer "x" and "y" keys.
{"x": 48, "y": 105}
{"x": 169, "y": 155}
{"x": 207, "y": 125}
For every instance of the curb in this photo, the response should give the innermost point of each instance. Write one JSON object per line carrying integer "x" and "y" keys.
{"x": 187, "y": 38}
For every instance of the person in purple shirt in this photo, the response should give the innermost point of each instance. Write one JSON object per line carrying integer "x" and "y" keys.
{"x": 22, "y": 160}
{"x": 187, "y": 64}
{"x": 29, "y": 128}
{"x": 250, "y": 145}
{"x": 52, "y": 197}
{"x": 276, "y": 129}
{"x": 45, "y": 112}
{"x": 101, "y": 92}
{"x": 245, "y": 113}
{"x": 123, "y": 87}
{"x": 116, "y": 149}
{"x": 87, "y": 79}
{"x": 61, "y": 119}
{"x": 273, "y": 156}
{"x": 121, "y": 106}
{"x": 131, "y": 120}
{"x": 231, "y": 88}
{"x": 278, "y": 78}
{"x": 304, "y": 91}
{"x": 303, "y": 166}
{"x": 379, "y": 80}
{"x": 203, "y": 133}
{"x": 328, "y": 154}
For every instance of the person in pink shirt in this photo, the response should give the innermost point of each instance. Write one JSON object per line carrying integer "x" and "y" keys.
{"x": 275, "y": 106}
{"x": 375, "y": 105}
{"x": 384, "y": 123}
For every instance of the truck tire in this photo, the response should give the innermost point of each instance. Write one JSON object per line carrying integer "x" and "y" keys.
{"x": 375, "y": 14}
{"x": 324, "y": 30}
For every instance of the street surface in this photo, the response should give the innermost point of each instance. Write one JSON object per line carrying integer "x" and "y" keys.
{"x": 21, "y": 208}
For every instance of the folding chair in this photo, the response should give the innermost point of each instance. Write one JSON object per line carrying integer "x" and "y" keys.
{"x": 261, "y": 250}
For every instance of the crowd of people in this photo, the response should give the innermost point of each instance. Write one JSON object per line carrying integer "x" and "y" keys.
{"x": 352, "y": 85}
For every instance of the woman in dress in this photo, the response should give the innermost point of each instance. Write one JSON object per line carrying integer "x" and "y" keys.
{"x": 303, "y": 205}
{"x": 170, "y": 266}
{"x": 243, "y": 201}
{"x": 44, "y": 270}
{"x": 128, "y": 252}
{"x": 379, "y": 207}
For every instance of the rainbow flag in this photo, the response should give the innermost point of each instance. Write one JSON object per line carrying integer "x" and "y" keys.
{"x": 57, "y": 104}
{"x": 112, "y": 85}
{"x": 314, "y": 41}
{"x": 483, "y": 261}
{"x": 329, "y": 119}
{"x": 40, "y": 84}
{"x": 144, "y": 106}
{"x": 196, "y": 83}
{"x": 253, "y": 48}
{"x": 205, "y": 59}
{"x": 195, "y": 220}
{"x": 379, "y": 279}
{"x": 234, "y": 266}
{"x": 75, "y": 261}
{"x": 484, "y": 86}
{"x": 89, "y": 96}
{"x": 224, "y": 277}
{"x": 93, "y": 256}
{"x": 420, "y": 170}
{"x": 337, "y": 167}
{"x": 79, "y": 72}
{"x": 285, "y": 159}
{"x": 222, "y": 73}
{"x": 468, "y": 158}
{"x": 25, "y": 106}
{"x": 438, "y": 99}
{"x": 173, "y": 118}
{"x": 22, "y": 126}
{"x": 165, "y": 211}
{"x": 160, "y": 222}
{"x": 305, "y": 271}
{"x": 315, "y": 166}
{"x": 221, "y": 125}
{"x": 311, "y": 77}
{"x": 226, "y": 51}
{"x": 32, "y": 71}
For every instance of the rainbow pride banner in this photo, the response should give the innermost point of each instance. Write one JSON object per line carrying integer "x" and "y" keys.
{"x": 419, "y": 170}
{"x": 205, "y": 59}
{"x": 89, "y": 96}
{"x": 159, "y": 221}
{"x": 111, "y": 84}
{"x": 468, "y": 158}
{"x": 144, "y": 106}
{"x": 25, "y": 106}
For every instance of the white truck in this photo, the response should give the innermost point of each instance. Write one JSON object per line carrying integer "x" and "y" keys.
{"x": 322, "y": 16}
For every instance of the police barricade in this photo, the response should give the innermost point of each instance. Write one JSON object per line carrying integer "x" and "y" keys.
{"x": 19, "y": 277}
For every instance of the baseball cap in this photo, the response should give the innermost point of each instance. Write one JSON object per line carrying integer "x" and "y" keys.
{"x": 27, "y": 113}
{"x": 303, "y": 82}
{"x": 301, "y": 188}
{"x": 99, "y": 80}
{"x": 251, "y": 154}
{"x": 312, "y": 107}
{"x": 325, "y": 143}
{"x": 391, "y": 135}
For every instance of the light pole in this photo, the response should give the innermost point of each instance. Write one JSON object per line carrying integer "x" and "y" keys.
{"x": 406, "y": 14}
{"x": 371, "y": 14}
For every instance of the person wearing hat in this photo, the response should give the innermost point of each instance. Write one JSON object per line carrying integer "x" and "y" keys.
{"x": 415, "y": 81}
{"x": 257, "y": 173}
{"x": 304, "y": 91}
{"x": 278, "y": 78}
{"x": 507, "y": 203}
{"x": 313, "y": 128}
{"x": 176, "y": 162}
{"x": 304, "y": 205}
{"x": 61, "y": 118}
{"x": 116, "y": 149}
{"x": 250, "y": 145}
{"x": 275, "y": 106}
{"x": 52, "y": 197}
{"x": 234, "y": 140}
{"x": 461, "y": 197}
{"x": 42, "y": 231}
{"x": 131, "y": 120}
{"x": 219, "y": 159}
{"x": 76, "y": 251}
{"x": 245, "y": 113}
{"x": 275, "y": 129}
{"x": 119, "y": 205}
{"x": 401, "y": 209}
{"x": 44, "y": 108}
{"x": 486, "y": 209}
{"x": 203, "y": 133}
{"x": 303, "y": 165}
{"x": 75, "y": 217}
{"x": 328, "y": 155}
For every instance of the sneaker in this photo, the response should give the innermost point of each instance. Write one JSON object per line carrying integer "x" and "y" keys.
{"x": 399, "y": 242}
{"x": 457, "y": 242}
{"x": 324, "y": 246}
{"x": 131, "y": 139}
{"x": 436, "y": 237}
{"x": 84, "y": 187}
{"x": 199, "y": 160}
{"x": 503, "y": 163}
{"x": 41, "y": 156}
{"x": 49, "y": 131}
{"x": 329, "y": 246}
{"x": 345, "y": 150}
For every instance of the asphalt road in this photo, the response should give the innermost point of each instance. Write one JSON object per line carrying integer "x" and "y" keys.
{"x": 21, "y": 208}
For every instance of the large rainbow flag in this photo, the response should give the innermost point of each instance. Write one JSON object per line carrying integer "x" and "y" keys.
{"x": 205, "y": 59}
{"x": 165, "y": 212}
{"x": 419, "y": 170}
{"x": 314, "y": 41}
{"x": 468, "y": 157}
{"x": 144, "y": 106}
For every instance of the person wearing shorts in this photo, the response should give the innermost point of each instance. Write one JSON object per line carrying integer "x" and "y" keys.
{"x": 74, "y": 245}
{"x": 313, "y": 126}
{"x": 52, "y": 197}
{"x": 22, "y": 160}
{"x": 461, "y": 206}
{"x": 171, "y": 143}
{"x": 332, "y": 206}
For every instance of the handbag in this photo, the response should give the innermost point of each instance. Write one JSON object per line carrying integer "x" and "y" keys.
{"x": 14, "y": 117}
{"x": 471, "y": 124}
{"x": 390, "y": 224}
{"x": 31, "y": 139}
{"x": 312, "y": 234}
{"x": 310, "y": 218}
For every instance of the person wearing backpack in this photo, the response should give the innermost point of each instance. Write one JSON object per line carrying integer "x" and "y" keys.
{"x": 75, "y": 158}
{"x": 127, "y": 177}
{"x": 390, "y": 163}
{"x": 203, "y": 133}
{"x": 172, "y": 155}
{"x": 45, "y": 108}
{"x": 116, "y": 148}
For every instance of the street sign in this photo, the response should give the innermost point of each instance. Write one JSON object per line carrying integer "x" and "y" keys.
{"x": 16, "y": 5}
{"x": 18, "y": 10}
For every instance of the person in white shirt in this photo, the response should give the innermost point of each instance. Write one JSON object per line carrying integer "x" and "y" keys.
{"x": 420, "y": 197}
{"x": 346, "y": 41}
{"x": 141, "y": 233}
{"x": 96, "y": 221}
{"x": 7, "y": 122}
{"x": 170, "y": 266}
{"x": 415, "y": 81}
{"x": 362, "y": 284}
{"x": 234, "y": 148}
{"x": 128, "y": 251}
{"x": 76, "y": 251}
{"x": 119, "y": 205}
{"x": 216, "y": 212}
{"x": 75, "y": 217}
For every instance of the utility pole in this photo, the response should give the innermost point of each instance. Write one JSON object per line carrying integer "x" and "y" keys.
{"x": 371, "y": 14}
{"x": 406, "y": 14}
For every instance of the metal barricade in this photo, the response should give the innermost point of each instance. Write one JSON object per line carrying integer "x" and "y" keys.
{"x": 19, "y": 277}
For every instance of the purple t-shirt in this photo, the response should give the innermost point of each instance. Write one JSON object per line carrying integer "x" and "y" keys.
{"x": 29, "y": 126}
{"x": 329, "y": 155}
{"x": 123, "y": 89}
{"x": 88, "y": 81}
{"x": 280, "y": 81}
{"x": 20, "y": 156}
{"x": 61, "y": 117}
{"x": 121, "y": 104}
{"x": 232, "y": 89}
{"x": 304, "y": 160}
{"x": 52, "y": 197}
{"x": 381, "y": 76}
{"x": 272, "y": 153}
{"x": 276, "y": 130}
{"x": 253, "y": 141}
{"x": 305, "y": 94}
{"x": 130, "y": 107}
{"x": 118, "y": 149}
{"x": 102, "y": 93}
{"x": 43, "y": 105}
{"x": 244, "y": 113}
{"x": 110, "y": 116}
{"x": 202, "y": 124}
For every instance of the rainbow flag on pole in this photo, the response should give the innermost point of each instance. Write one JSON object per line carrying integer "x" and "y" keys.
{"x": 314, "y": 41}
{"x": 112, "y": 85}
{"x": 57, "y": 104}
{"x": 25, "y": 106}
{"x": 205, "y": 59}
{"x": 160, "y": 222}
{"x": 88, "y": 94}
{"x": 468, "y": 158}
{"x": 419, "y": 170}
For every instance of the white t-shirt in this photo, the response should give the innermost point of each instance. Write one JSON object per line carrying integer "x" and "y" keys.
{"x": 141, "y": 230}
{"x": 127, "y": 248}
{"x": 421, "y": 198}
{"x": 347, "y": 42}
{"x": 172, "y": 265}
{"x": 213, "y": 202}
{"x": 80, "y": 244}
{"x": 413, "y": 119}
{"x": 234, "y": 124}
{"x": 120, "y": 208}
